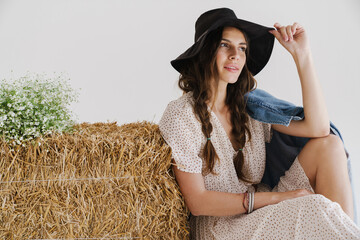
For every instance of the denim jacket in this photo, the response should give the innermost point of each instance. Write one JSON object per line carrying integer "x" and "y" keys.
{"x": 283, "y": 148}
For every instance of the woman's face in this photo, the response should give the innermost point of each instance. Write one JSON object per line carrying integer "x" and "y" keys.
{"x": 230, "y": 58}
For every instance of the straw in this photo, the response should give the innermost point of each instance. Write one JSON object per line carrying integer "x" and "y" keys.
{"x": 103, "y": 181}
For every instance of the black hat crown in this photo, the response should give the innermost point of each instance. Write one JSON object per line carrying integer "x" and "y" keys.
{"x": 207, "y": 19}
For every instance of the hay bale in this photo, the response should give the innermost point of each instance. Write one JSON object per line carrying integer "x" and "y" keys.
{"x": 103, "y": 181}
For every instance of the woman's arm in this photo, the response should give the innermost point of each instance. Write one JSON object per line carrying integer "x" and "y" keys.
{"x": 211, "y": 203}
{"x": 316, "y": 122}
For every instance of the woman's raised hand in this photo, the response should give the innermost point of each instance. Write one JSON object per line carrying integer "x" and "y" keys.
{"x": 292, "y": 37}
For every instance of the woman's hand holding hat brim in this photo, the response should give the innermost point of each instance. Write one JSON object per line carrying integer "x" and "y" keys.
{"x": 292, "y": 37}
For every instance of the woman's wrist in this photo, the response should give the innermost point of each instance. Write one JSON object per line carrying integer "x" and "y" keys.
{"x": 277, "y": 197}
{"x": 301, "y": 56}
{"x": 263, "y": 199}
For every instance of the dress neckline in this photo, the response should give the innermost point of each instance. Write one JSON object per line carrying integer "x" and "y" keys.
{"x": 222, "y": 129}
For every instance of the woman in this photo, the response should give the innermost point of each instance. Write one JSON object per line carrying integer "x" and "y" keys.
{"x": 219, "y": 151}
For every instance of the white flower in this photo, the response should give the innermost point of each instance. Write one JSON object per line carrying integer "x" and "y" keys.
{"x": 50, "y": 97}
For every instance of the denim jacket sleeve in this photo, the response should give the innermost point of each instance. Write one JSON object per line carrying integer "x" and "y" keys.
{"x": 283, "y": 149}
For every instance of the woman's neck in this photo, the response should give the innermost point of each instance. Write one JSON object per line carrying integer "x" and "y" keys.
{"x": 219, "y": 103}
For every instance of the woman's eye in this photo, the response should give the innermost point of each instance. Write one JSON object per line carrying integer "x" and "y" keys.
{"x": 224, "y": 45}
{"x": 243, "y": 49}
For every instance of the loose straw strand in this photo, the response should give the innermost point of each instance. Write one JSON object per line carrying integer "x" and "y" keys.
{"x": 69, "y": 179}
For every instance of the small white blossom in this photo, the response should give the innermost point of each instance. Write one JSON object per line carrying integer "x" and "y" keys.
{"x": 28, "y": 102}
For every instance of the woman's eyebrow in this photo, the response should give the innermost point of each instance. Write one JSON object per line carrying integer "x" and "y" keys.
{"x": 227, "y": 40}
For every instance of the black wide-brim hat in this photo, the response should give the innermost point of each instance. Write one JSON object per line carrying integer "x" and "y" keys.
{"x": 261, "y": 41}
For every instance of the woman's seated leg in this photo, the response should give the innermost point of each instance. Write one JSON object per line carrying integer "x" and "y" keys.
{"x": 325, "y": 164}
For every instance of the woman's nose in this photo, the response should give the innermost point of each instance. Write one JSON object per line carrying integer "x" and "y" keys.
{"x": 234, "y": 55}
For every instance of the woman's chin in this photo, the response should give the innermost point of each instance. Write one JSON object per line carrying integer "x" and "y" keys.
{"x": 232, "y": 81}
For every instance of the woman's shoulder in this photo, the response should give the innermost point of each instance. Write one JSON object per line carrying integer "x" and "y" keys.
{"x": 183, "y": 104}
{"x": 179, "y": 110}
{"x": 179, "y": 116}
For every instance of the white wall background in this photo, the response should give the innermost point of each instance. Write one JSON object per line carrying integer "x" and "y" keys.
{"x": 118, "y": 53}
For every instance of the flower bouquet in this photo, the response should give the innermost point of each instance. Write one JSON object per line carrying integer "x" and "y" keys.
{"x": 33, "y": 106}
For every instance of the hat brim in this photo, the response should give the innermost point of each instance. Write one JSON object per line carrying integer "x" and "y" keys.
{"x": 260, "y": 49}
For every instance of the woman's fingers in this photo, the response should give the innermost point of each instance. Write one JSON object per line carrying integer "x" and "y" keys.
{"x": 281, "y": 30}
{"x": 287, "y": 32}
{"x": 292, "y": 37}
{"x": 294, "y": 27}
{"x": 277, "y": 25}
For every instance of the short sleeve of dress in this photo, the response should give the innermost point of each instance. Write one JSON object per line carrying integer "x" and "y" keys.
{"x": 267, "y": 131}
{"x": 179, "y": 128}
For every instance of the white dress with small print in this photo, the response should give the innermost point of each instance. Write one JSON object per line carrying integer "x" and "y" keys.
{"x": 309, "y": 217}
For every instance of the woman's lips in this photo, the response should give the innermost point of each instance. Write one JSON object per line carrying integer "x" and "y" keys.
{"x": 232, "y": 68}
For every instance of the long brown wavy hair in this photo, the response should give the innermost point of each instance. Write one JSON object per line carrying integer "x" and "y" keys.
{"x": 195, "y": 77}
